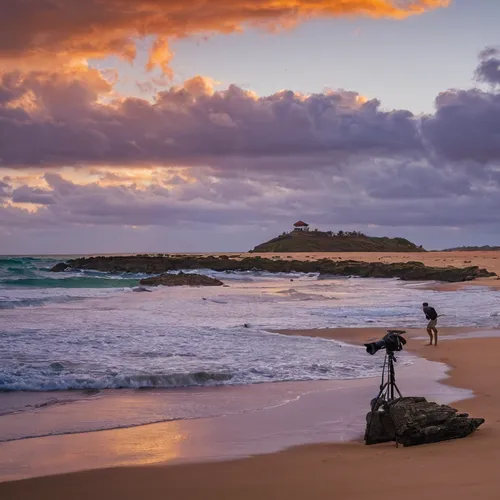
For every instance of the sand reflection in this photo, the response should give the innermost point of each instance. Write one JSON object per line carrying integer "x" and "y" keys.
{"x": 144, "y": 445}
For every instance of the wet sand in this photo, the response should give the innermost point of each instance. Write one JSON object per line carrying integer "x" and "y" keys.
{"x": 456, "y": 469}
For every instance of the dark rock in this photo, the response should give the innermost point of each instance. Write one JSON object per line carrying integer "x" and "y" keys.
{"x": 325, "y": 267}
{"x": 413, "y": 421}
{"x": 379, "y": 427}
{"x": 60, "y": 267}
{"x": 181, "y": 279}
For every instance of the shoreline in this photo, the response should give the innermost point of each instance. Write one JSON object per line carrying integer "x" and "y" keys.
{"x": 326, "y": 468}
{"x": 299, "y": 413}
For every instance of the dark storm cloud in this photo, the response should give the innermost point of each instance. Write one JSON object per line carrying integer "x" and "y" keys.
{"x": 488, "y": 70}
{"x": 190, "y": 125}
{"x": 386, "y": 195}
{"x": 414, "y": 181}
{"x": 27, "y": 194}
{"x": 4, "y": 189}
{"x": 55, "y": 119}
{"x": 465, "y": 126}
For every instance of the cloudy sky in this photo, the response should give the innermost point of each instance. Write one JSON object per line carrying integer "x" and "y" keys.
{"x": 213, "y": 125}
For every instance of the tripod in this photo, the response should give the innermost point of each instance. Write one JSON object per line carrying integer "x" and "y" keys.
{"x": 388, "y": 383}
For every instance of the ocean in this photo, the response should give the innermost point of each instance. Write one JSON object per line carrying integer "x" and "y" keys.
{"x": 85, "y": 337}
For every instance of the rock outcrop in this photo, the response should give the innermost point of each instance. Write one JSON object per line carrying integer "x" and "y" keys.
{"x": 181, "y": 279}
{"x": 413, "y": 421}
{"x": 154, "y": 264}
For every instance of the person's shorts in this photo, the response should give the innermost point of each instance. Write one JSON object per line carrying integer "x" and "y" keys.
{"x": 432, "y": 323}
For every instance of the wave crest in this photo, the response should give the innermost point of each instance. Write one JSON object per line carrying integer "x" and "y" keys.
{"x": 140, "y": 381}
{"x": 296, "y": 295}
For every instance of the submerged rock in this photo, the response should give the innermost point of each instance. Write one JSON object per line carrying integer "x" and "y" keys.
{"x": 181, "y": 279}
{"x": 60, "y": 267}
{"x": 413, "y": 421}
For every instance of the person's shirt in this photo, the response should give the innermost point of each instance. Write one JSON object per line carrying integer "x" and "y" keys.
{"x": 430, "y": 313}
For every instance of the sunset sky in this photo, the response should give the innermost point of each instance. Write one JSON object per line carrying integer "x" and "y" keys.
{"x": 213, "y": 125}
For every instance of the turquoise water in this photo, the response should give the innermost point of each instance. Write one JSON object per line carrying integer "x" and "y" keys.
{"x": 34, "y": 272}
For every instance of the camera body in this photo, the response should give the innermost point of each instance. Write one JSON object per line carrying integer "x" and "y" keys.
{"x": 393, "y": 341}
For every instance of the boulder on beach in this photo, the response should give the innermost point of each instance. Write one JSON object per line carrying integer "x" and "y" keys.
{"x": 181, "y": 279}
{"x": 413, "y": 421}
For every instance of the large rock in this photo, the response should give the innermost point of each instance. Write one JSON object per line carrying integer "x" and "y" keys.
{"x": 154, "y": 264}
{"x": 181, "y": 279}
{"x": 412, "y": 421}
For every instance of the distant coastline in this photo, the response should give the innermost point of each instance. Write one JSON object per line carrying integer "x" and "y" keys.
{"x": 484, "y": 248}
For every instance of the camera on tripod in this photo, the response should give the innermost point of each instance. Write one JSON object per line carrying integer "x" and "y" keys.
{"x": 393, "y": 341}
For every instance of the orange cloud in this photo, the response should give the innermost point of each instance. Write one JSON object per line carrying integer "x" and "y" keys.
{"x": 44, "y": 29}
{"x": 160, "y": 56}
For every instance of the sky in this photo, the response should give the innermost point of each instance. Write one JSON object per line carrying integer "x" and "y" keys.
{"x": 213, "y": 125}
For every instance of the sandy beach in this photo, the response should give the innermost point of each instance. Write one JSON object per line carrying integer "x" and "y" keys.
{"x": 455, "y": 469}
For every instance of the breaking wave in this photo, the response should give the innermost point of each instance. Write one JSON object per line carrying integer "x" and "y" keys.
{"x": 15, "y": 302}
{"x": 85, "y": 382}
{"x": 295, "y": 295}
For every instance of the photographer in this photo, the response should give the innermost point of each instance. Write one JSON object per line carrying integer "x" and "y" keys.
{"x": 431, "y": 315}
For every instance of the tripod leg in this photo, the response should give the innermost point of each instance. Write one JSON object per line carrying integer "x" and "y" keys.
{"x": 380, "y": 395}
{"x": 397, "y": 389}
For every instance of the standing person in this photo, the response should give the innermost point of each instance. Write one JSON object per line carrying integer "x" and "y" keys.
{"x": 432, "y": 316}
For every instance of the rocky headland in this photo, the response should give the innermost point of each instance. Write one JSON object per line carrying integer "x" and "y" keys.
{"x": 328, "y": 241}
{"x": 159, "y": 264}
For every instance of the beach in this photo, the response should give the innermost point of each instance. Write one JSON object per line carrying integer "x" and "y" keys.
{"x": 298, "y": 436}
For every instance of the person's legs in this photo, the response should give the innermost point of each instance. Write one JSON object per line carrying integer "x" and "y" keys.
{"x": 429, "y": 331}
{"x": 435, "y": 334}
{"x": 431, "y": 328}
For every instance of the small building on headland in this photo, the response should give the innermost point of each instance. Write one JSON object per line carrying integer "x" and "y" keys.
{"x": 301, "y": 226}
